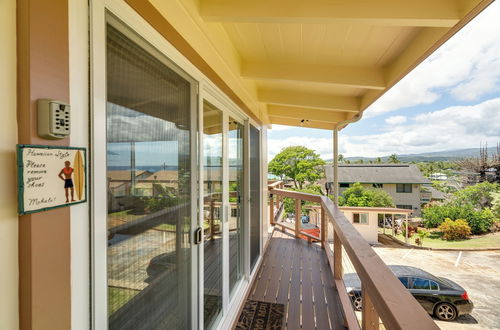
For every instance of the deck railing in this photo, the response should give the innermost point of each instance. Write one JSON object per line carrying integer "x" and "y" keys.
{"x": 385, "y": 301}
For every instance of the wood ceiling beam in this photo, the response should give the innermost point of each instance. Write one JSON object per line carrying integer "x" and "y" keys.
{"x": 309, "y": 100}
{"x": 298, "y": 113}
{"x": 357, "y": 77}
{"x": 438, "y": 13}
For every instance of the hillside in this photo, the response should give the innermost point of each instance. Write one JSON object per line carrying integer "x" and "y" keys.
{"x": 446, "y": 155}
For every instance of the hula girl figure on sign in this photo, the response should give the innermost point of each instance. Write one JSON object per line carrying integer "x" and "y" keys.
{"x": 65, "y": 175}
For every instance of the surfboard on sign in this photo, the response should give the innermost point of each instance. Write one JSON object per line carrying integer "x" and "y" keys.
{"x": 78, "y": 175}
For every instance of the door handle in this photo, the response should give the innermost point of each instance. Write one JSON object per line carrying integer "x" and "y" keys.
{"x": 197, "y": 235}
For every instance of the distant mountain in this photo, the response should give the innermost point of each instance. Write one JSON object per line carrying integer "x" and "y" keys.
{"x": 435, "y": 156}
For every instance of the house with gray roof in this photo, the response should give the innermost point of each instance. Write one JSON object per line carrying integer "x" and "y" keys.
{"x": 403, "y": 182}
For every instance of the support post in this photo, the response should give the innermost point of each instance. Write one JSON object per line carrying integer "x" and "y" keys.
{"x": 383, "y": 216}
{"x": 297, "y": 217}
{"x": 337, "y": 257}
{"x": 271, "y": 209}
{"x": 393, "y": 226}
{"x": 336, "y": 166}
{"x": 323, "y": 228}
{"x": 406, "y": 225}
{"x": 370, "y": 318}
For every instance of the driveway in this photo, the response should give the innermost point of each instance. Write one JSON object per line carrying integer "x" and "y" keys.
{"x": 478, "y": 272}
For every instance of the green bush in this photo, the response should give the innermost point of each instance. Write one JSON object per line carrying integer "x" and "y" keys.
{"x": 411, "y": 231}
{"x": 479, "y": 221}
{"x": 495, "y": 205}
{"x": 454, "y": 230}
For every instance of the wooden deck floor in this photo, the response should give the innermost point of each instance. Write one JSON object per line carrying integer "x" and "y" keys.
{"x": 296, "y": 274}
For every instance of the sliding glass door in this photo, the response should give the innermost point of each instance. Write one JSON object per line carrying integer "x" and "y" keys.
{"x": 212, "y": 213}
{"x": 151, "y": 122}
{"x": 236, "y": 222}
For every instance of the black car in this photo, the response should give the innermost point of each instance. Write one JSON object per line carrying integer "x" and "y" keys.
{"x": 438, "y": 296}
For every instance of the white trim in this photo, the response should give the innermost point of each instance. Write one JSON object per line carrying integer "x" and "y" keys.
{"x": 79, "y": 98}
{"x": 98, "y": 188}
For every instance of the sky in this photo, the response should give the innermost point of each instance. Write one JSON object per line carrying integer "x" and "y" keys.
{"x": 450, "y": 101}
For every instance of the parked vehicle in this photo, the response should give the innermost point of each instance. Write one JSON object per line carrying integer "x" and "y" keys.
{"x": 438, "y": 296}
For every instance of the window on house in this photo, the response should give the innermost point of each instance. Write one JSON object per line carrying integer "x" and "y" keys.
{"x": 234, "y": 213}
{"x": 403, "y": 188}
{"x": 378, "y": 185}
{"x": 407, "y": 207}
{"x": 344, "y": 185}
{"x": 361, "y": 218}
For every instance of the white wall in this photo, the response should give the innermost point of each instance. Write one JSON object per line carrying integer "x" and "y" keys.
{"x": 9, "y": 269}
{"x": 80, "y": 224}
{"x": 369, "y": 231}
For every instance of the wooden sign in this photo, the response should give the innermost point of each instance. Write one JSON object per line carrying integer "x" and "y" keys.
{"x": 50, "y": 177}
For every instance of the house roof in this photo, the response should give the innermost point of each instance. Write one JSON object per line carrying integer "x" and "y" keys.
{"x": 124, "y": 175}
{"x": 436, "y": 194}
{"x": 381, "y": 173}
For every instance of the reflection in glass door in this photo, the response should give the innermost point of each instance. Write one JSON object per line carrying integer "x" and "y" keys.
{"x": 212, "y": 213}
{"x": 235, "y": 160}
{"x": 255, "y": 182}
{"x": 149, "y": 140}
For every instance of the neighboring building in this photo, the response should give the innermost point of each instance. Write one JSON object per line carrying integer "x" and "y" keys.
{"x": 403, "y": 182}
{"x": 436, "y": 195}
{"x": 438, "y": 177}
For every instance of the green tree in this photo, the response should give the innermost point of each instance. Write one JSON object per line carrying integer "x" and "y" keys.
{"x": 479, "y": 195}
{"x": 378, "y": 160}
{"x": 340, "y": 158}
{"x": 299, "y": 164}
{"x": 393, "y": 159}
{"x": 357, "y": 195}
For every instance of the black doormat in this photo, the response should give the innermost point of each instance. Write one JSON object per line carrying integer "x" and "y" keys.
{"x": 261, "y": 315}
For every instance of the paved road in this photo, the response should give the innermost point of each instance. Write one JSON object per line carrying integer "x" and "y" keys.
{"x": 477, "y": 272}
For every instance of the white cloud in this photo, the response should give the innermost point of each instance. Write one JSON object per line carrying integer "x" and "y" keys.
{"x": 322, "y": 146}
{"x": 395, "y": 120}
{"x": 467, "y": 67}
{"x": 455, "y": 127}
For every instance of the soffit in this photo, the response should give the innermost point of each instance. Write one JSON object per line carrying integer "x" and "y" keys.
{"x": 291, "y": 61}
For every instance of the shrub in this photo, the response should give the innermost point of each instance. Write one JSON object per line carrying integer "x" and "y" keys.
{"x": 479, "y": 221}
{"x": 421, "y": 235}
{"x": 454, "y": 230}
{"x": 411, "y": 231}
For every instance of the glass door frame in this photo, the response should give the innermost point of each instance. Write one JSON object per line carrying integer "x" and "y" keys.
{"x": 219, "y": 100}
{"x": 98, "y": 209}
{"x": 101, "y": 13}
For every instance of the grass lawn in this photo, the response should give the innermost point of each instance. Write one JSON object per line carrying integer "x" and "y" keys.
{"x": 434, "y": 241}
{"x": 118, "y": 297}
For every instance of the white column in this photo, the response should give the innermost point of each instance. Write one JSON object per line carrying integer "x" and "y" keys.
{"x": 335, "y": 166}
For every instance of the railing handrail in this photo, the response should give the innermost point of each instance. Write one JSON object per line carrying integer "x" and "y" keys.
{"x": 274, "y": 184}
{"x": 297, "y": 195}
{"x": 395, "y": 305}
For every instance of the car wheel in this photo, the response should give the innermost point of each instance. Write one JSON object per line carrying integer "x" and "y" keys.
{"x": 358, "y": 303}
{"x": 445, "y": 312}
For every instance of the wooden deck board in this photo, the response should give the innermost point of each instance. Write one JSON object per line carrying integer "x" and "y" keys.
{"x": 296, "y": 274}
